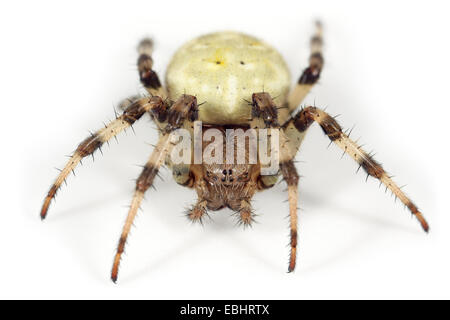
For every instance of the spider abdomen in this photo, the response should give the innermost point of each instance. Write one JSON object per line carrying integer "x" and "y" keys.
{"x": 223, "y": 70}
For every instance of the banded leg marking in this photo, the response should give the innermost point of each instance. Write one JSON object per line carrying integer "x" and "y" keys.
{"x": 310, "y": 75}
{"x": 184, "y": 110}
{"x": 125, "y": 103}
{"x": 264, "y": 111}
{"x": 145, "y": 181}
{"x": 131, "y": 114}
{"x": 149, "y": 78}
{"x": 334, "y": 132}
{"x": 291, "y": 177}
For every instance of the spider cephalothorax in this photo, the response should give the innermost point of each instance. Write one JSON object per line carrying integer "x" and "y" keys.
{"x": 244, "y": 84}
{"x": 225, "y": 185}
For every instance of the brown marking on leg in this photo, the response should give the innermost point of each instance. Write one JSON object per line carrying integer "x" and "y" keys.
{"x": 291, "y": 177}
{"x": 311, "y": 74}
{"x": 185, "y": 108}
{"x": 302, "y": 121}
{"x": 329, "y": 126}
{"x": 145, "y": 181}
{"x": 135, "y": 205}
{"x": 289, "y": 173}
{"x": 149, "y": 78}
{"x": 133, "y": 113}
{"x": 88, "y": 146}
{"x": 159, "y": 113}
{"x": 125, "y": 103}
{"x": 291, "y": 136}
{"x": 293, "y": 255}
{"x": 415, "y": 211}
{"x": 334, "y": 132}
{"x": 372, "y": 167}
{"x": 146, "y": 177}
{"x": 70, "y": 166}
{"x": 265, "y": 109}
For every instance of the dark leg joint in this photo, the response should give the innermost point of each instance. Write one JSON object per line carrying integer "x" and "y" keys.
{"x": 185, "y": 108}
{"x": 289, "y": 173}
{"x": 133, "y": 113}
{"x": 294, "y": 238}
{"x": 330, "y": 127}
{"x": 146, "y": 178}
{"x": 312, "y": 74}
{"x": 263, "y": 107}
{"x": 372, "y": 167}
{"x": 89, "y": 145}
{"x": 303, "y": 120}
{"x": 309, "y": 76}
{"x": 121, "y": 246}
{"x": 148, "y": 77}
{"x": 159, "y": 110}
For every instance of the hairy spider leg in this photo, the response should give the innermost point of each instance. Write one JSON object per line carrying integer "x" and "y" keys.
{"x": 181, "y": 113}
{"x": 333, "y": 130}
{"x": 265, "y": 114}
{"x": 145, "y": 181}
{"x": 149, "y": 78}
{"x": 94, "y": 142}
{"x": 311, "y": 74}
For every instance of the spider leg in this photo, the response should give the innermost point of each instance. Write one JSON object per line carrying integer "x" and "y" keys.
{"x": 180, "y": 113}
{"x": 333, "y": 130}
{"x": 198, "y": 211}
{"x": 264, "y": 113}
{"x": 144, "y": 182}
{"x": 149, "y": 78}
{"x": 246, "y": 215}
{"x": 127, "y": 101}
{"x": 94, "y": 142}
{"x": 311, "y": 74}
{"x": 291, "y": 177}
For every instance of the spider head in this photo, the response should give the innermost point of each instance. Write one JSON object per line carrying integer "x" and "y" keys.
{"x": 227, "y": 175}
{"x": 226, "y": 185}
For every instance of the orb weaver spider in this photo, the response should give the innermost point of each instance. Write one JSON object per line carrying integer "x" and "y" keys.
{"x": 226, "y": 70}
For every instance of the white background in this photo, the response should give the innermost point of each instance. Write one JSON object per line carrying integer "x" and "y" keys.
{"x": 64, "y": 65}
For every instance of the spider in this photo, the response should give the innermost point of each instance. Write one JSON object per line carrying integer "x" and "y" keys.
{"x": 226, "y": 70}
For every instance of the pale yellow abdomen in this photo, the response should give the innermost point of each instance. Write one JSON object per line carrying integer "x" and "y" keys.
{"x": 223, "y": 70}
